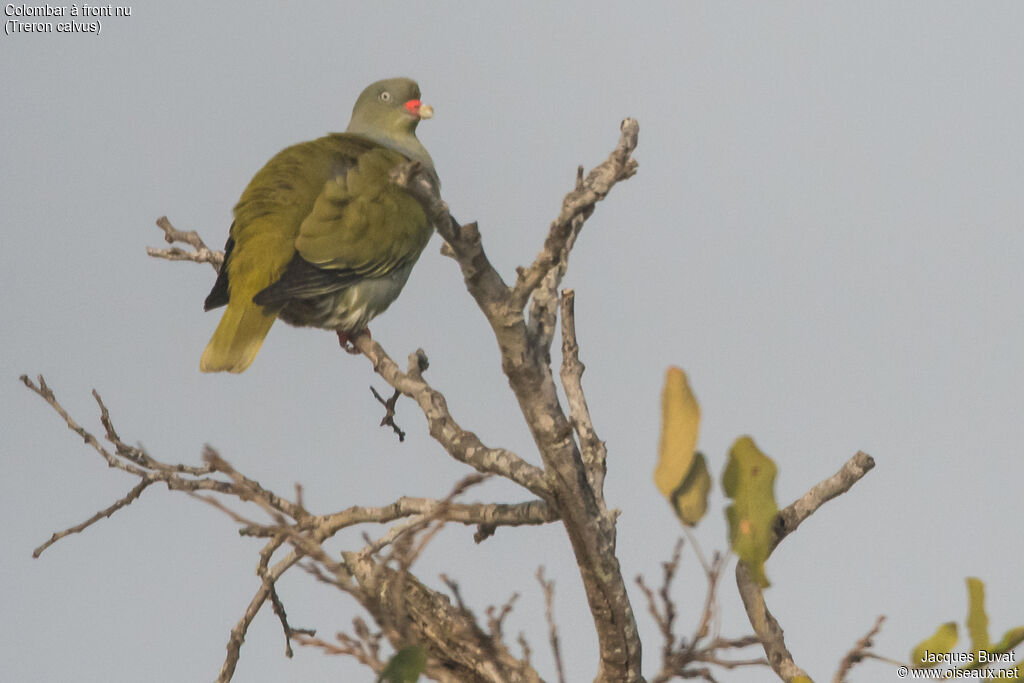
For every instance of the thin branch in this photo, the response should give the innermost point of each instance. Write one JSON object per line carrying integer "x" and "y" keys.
{"x": 592, "y": 449}
{"x": 790, "y": 517}
{"x": 389, "y": 416}
{"x": 250, "y": 489}
{"x": 365, "y": 647}
{"x": 458, "y": 649}
{"x": 549, "y": 616}
{"x": 579, "y": 204}
{"x": 200, "y": 252}
{"x": 713, "y": 573}
{"x": 289, "y": 631}
{"x": 461, "y": 444}
{"x": 765, "y": 626}
{"x": 858, "y": 652}
{"x": 664, "y": 616}
{"x": 678, "y": 659}
{"x": 496, "y": 617}
{"x": 237, "y": 636}
{"x": 544, "y": 302}
{"x": 102, "y": 514}
{"x": 43, "y": 390}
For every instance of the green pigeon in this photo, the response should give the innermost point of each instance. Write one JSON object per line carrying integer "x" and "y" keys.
{"x": 321, "y": 238}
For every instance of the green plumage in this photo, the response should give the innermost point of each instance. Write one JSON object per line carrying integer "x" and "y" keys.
{"x": 321, "y": 238}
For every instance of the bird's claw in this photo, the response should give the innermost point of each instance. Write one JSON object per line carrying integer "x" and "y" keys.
{"x": 347, "y": 340}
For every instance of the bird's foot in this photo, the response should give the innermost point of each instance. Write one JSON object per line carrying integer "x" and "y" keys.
{"x": 347, "y": 340}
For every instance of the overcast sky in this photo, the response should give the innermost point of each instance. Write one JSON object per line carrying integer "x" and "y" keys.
{"x": 826, "y": 232}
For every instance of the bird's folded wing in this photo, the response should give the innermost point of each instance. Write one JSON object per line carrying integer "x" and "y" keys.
{"x": 361, "y": 226}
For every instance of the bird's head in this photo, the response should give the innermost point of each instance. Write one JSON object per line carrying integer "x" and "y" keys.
{"x": 389, "y": 109}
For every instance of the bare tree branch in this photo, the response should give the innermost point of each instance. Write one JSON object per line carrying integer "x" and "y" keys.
{"x": 389, "y": 416}
{"x": 679, "y": 658}
{"x": 459, "y": 650}
{"x": 525, "y": 361}
{"x": 790, "y": 517}
{"x": 858, "y": 652}
{"x": 291, "y": 523}
{"x": 568, "y": 488}
{"x": 129, "y": 498}
{"x": 200, "y": 252}
{"x": 549, "y": 616}
{"x": 765, "y": 626}
{"x": 579, "y": 205}
{"x": 592, "y": 449}
{"x": 462, "y": 445}
{"x": 269, "y": 577}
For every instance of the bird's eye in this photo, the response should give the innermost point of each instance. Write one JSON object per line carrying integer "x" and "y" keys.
{"x": 385, "y": 96}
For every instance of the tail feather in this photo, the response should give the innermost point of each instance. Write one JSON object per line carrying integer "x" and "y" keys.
{"x": 237, "y": 339}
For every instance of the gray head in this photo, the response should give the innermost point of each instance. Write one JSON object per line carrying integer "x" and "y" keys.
{"x": 388, "y": 112}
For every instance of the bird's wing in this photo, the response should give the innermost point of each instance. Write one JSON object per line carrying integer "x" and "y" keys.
{"x": 361, "y": 226}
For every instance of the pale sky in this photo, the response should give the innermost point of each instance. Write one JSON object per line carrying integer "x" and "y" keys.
{"x": 826, "y": 232}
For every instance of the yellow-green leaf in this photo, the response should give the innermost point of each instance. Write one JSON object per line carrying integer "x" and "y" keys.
{"x": 942, "y": 641}
{"x": 1010, "y": 640}
{"x": 749, "y": 479}
{"x": 406, "y": 666}
{"x": 977, "y": 620}
{"x": 682, "y": 473}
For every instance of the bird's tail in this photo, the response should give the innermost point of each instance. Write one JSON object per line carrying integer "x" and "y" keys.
{"x": 237, "y": 339}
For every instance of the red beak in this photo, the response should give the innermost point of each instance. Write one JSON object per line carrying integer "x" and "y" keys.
{"x": 419, "y": 110}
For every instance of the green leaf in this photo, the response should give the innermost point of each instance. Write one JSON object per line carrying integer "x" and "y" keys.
{"x": 1010, "y": 640}
{"x": 682, "y": 473}
{"x": 998, "y": 653}
{"x": 977, "y": 620}
{"x": 406, "y": 666}
{"x": 942, "y": 641}
{"x": 749, "y": 479}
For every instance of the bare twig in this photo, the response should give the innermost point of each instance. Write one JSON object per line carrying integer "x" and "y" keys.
{"x": 289, "y": 630}
{"x": 364, "y": 647}
{"x": 462, "y": 445}
{"x": 664, "y": 616}
{"x": 858, "y": 652}
{"x": 790, "y": 517}
{"x": 200, "y": 252}
{"x": 549, "y": 616}
{"x": 105, "y": 513}
{"x": 496, "y": 617}
{"x": 713, "y": 573}
{"x": 579, "y": 204}
{"x": 389, "y": 416}
{"x": 680, "y": 655}
{"x": 592, "y": 449}
{"x": 237, "y": 636}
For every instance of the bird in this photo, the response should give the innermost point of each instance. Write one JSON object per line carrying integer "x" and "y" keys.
{"x": 321, "y": 237}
